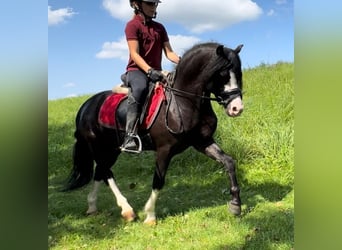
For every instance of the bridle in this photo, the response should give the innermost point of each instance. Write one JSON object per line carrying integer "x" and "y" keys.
{"x": 227, "y": 96}
{"x": 223, "y": 98}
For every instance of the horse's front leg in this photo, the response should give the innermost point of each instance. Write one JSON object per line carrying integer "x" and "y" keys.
{"x": 216, "y": 153}
{"x": 150, "y": 208}
{"x": 162, "y": 163}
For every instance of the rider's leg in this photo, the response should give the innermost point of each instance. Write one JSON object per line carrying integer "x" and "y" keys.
{"x": 138, "y": 83}
{"x": 131, "y": 124}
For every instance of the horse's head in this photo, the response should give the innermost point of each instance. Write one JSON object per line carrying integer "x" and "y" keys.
{"x": 212, "y": 68}
{"x": 226, "y": 82}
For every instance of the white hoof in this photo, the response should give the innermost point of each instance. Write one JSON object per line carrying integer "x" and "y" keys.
{"x": 150, "y": 221}
{"x": 129, "y": 216}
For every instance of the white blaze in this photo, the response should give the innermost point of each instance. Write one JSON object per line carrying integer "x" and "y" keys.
{"x": 235, "y": 107}
{"x": 232, "y": 84}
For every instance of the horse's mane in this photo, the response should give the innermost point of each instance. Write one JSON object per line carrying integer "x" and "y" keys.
{"x": 201, "y": 50}
{"x": 195, "y": 47}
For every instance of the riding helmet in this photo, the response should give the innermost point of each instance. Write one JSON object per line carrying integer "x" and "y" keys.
{"x": 139, "y": 1}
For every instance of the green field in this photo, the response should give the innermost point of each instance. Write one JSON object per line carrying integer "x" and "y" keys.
{"x": 192, "y": 207}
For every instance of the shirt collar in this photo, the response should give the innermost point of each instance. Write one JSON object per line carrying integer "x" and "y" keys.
{"x": 141, "y": 19}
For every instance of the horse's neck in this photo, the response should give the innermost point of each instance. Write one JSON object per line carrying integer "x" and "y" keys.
{"x": 185, "y": 103}
{"x": 190, "y": 83}
{"x": 192, "y": 78}
{"x": 192, "y": 74}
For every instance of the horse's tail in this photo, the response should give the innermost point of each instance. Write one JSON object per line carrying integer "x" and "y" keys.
{"x": 83, "y": 168}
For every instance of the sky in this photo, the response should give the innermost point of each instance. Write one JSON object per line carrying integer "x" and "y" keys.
{"x": 87, "y": 50}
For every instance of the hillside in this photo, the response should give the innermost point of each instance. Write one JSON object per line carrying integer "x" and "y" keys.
{"x": 192, "y": 207}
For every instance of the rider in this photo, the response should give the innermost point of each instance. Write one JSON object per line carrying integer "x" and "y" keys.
{"x": 146, "y": 40}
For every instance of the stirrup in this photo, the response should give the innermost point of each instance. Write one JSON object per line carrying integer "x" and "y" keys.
{"x": 138, "y": 151}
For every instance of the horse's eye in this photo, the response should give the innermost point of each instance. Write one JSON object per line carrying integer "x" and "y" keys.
{"x": 224, "y": 73}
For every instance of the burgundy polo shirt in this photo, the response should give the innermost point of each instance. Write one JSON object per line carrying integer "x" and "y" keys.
{"x": 151, "y": 37}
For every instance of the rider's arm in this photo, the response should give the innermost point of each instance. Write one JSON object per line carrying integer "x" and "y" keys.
{"x": 172, "y": 56}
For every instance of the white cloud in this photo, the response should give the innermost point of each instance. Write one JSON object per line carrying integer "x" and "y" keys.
{"x": 196, "y": 16}
{"x": 58, "y": 16}
{"x": 119, "y": 9}
{"x": 181, "y": 43}
{"x": 119, "y": 49}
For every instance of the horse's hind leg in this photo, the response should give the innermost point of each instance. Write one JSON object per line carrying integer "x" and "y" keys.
{"x": 126, "y": 210}
{"x": 216, "y": 153}
{"x": 92, "y": 198}
{"x": 103, "y": 172}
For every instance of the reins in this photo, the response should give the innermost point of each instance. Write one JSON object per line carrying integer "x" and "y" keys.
{"x": 192, "y": 94}
{"x": 219, "y": 99}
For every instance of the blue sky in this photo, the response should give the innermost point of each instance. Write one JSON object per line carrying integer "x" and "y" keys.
{"x": 88, "y": 52}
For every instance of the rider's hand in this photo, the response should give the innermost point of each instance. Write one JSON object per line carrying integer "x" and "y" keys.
{"x": 155, "y": 75}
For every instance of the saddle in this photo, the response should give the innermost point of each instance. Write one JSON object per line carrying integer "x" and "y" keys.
{"x": 113, "y": 110}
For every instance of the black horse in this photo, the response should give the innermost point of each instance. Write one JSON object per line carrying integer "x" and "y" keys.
{"x": 185, "y": 119}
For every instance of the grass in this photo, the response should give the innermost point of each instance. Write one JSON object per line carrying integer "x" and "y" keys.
{"x": 192, "y": 211}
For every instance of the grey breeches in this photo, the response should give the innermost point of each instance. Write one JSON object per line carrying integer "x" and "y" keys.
{"x": 138, "y": 82}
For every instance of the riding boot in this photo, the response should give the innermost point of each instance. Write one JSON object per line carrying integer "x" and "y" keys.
{"x": 130, "y": 142}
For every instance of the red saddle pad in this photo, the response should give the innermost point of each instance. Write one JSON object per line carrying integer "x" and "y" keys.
{"x": 108, "y": 109}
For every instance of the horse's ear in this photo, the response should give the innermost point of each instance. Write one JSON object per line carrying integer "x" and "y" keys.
{"x": 238, "y": 49}
{"x": 220, "y": 50}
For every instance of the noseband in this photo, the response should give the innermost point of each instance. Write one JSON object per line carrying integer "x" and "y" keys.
{"x": 227, "y": 96}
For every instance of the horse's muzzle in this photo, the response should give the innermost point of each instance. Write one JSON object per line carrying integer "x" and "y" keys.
{"x": 235, "y": 107}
